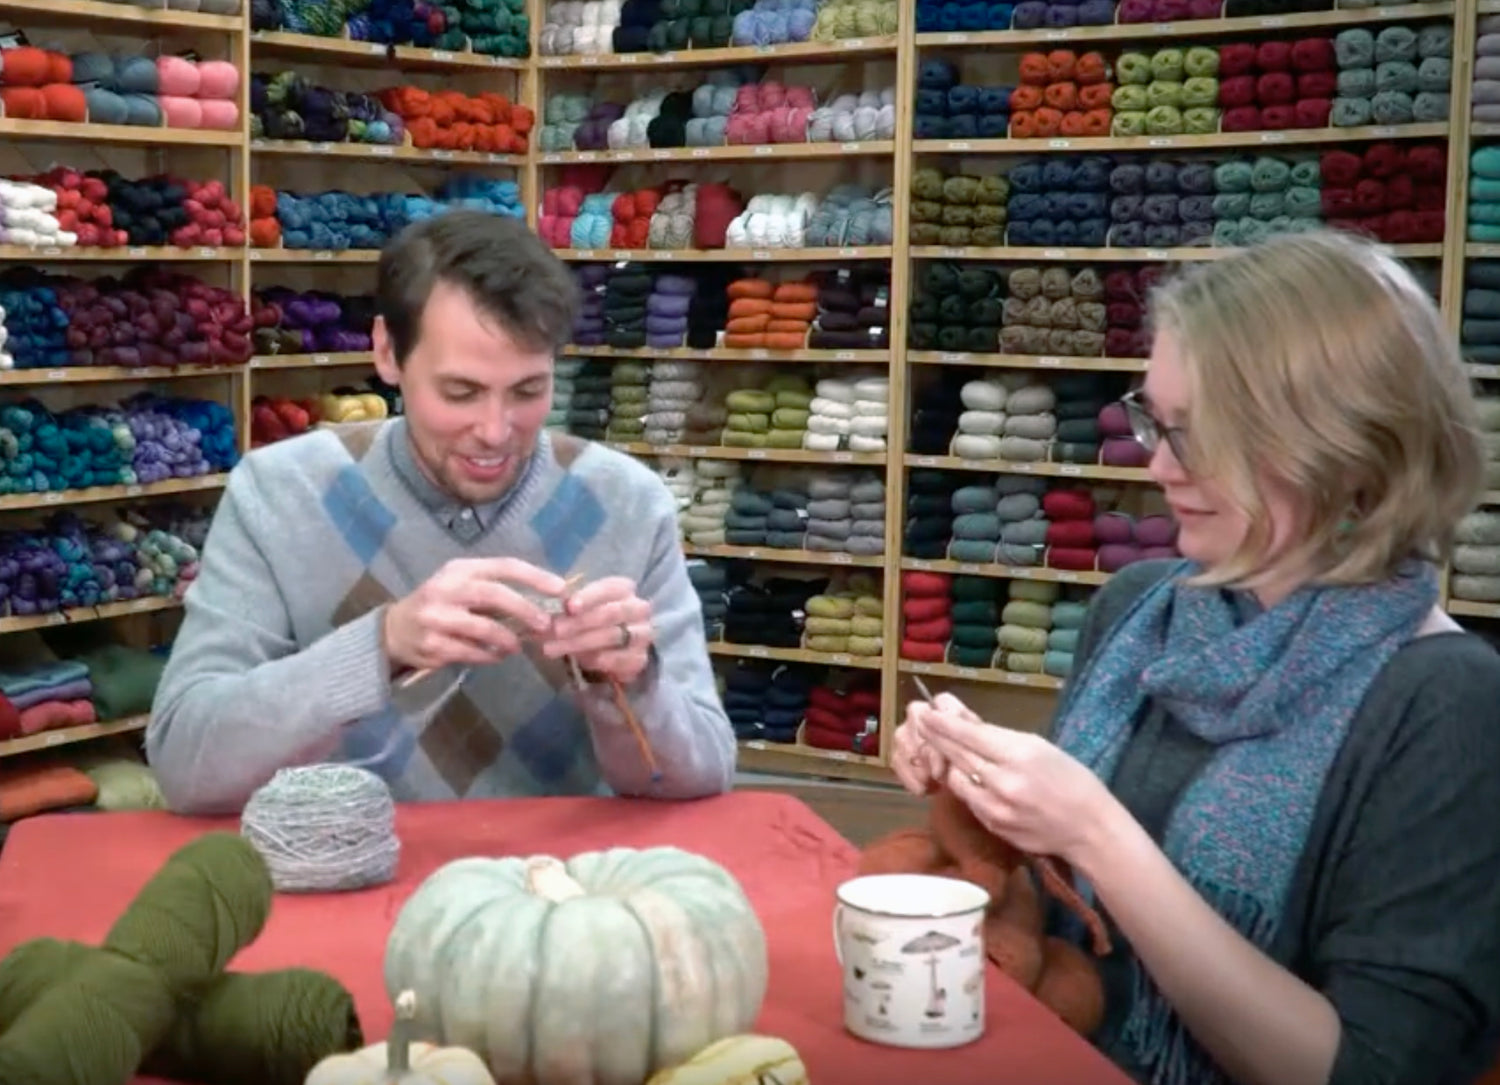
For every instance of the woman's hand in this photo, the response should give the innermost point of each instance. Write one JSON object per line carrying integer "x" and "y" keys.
{"x": 1020, "y": 786}
{"x": 919, "y": 766}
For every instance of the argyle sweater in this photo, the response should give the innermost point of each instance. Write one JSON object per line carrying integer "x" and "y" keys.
{"x": 278, "y": 661}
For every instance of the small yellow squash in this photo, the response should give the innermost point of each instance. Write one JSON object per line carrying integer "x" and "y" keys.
{"x": 746, "y": 1059}
{"x": 402, "y": 1061}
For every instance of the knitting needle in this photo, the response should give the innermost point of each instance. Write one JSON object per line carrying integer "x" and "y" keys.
{"x": 416, "y": 676}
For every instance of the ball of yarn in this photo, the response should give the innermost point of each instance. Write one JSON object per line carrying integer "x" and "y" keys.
{"x": 324, "y": 828}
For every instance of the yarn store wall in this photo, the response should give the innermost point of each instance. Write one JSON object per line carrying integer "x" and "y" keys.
{"x": 863, "y": 280}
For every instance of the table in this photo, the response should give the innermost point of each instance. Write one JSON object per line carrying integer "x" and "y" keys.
{"x": 70, "y": 876}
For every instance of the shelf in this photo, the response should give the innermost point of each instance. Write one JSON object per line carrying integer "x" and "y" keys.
{"x": 1004, "y": 572}
{"x": 1027, "y": 361}
{"x": 20, "y": 623}
{"x": 1089, "y": 471}
{"x": 1484, "y": 131}
{"x": 804, "y": 51}
{"x": 311, "y": 361}
{"x": 1186, "y": 28}
{"x": 291, "y": 148}
{"x": 730, "y": 256}
{"x": 101, "y": 374}
{"x": 1208, "y": 141}
{"x": 138, "y": 135}
{"x": 98, "y": 14}
{"x": 316, "y": 256}
{"x": 96, "y": 494}
{"x": 1475, "y": 251}
{"x": 1175, "y": 255}
{"x": 120, "y": 254}
{"x": 793, "y": 655}
{"x": 63, "y": 736}
{"x": 729, "y": 354}
{"x": 981, "y": 674}
{"x": 727, "y": 153}
{"x": 770, "y": 455}
{"x": 756, "y": 755}
{"x": 1489, "y": 7}
{"x": 788, "y": 557}
{"x": 1464, "y": 608}
{"x": 370, "y": 54}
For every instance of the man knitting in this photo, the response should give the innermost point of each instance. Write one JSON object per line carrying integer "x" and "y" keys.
{"x": 421, "y": 594}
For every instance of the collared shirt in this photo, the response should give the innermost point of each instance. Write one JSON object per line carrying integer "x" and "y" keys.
{"x": 463, "y": 521}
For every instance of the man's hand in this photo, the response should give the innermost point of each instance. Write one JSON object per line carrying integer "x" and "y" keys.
{"x": 471, "y": 611}
{"x": 606, "y": 627}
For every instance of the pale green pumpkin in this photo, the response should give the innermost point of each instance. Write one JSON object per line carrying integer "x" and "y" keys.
{"x": 598, "y": 971}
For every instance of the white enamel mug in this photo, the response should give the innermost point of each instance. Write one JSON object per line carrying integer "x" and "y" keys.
{"x": 911, "y": 947}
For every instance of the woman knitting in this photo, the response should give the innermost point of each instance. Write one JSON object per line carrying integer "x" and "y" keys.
{"x": 1276, "y": 766}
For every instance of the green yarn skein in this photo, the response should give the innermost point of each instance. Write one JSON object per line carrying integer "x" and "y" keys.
{"x": 154, "y": 996}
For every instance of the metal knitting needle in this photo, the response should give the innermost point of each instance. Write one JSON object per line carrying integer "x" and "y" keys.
{"x": 922, "y": 689}
{"x": 416, "y": 676}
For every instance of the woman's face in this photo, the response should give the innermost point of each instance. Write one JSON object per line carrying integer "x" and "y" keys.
{"x": 1210, "y": 528}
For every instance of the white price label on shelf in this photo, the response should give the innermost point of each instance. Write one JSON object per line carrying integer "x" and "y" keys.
{"x": 849, "y": 251}
{"x": 320, "y": 148}
{"x": 752, "y": 553}
{"x": 921, "y": 668}
{"x": 967, "y": 672}
{"x": 442, "y": 54}
{"x": 383, "y": 150}
{"x": 1049, "y": 361}
{"x": 52, "y": 250}
{"x": 377, "y": 49}
{"x": 52, "y": 499}
{"x": 136, "y": 250}
{"x": 1166, "y": 28}
{"x": 761, "y": 254}
{"x": 499, "y": 62}
{"x": 1273, "y": 137}
{"x": 852, "y": 43}
{"x": 320, "y": 359}
{"x": 1270, "y": 22}
{"x": 57, "y": 374}
{"x": 757, "y": 454}
{"x": 954, "y": 251}
{"x": 590, "y": 58}
{"x": 1385, "y": 131}
{"x": 968, "y": 567}
{"x": 840, "y": 657}
{"x": 57, "y": 617}
{"x": 1161, "y": 141}
{"x": 759, "y": 650}
{"x": 759, "y": 352}
{"x": 664, "y": 153}
{"x": 622, "y": 254}
{"x": 696, "y": 451}
{"x": 843, "y": 355}
{"x": 442, "y": 155}
{"x": 837, "y": 755}
{"x": 1067, "y": 576}
{"x": 959, "y": 38}
{"x": 852, "y": 147}
{"x": 1054, "y": 35}
{"x": 1055, "y": 254}
{"x": 925, "y": 461}
{"x": 623, "y": 156}
{"x": 1059, "y": 144}
{"x": 630, "y": 58}
{"x": 207, "y": 251}
{"x": 1157, "y": 254}
{"x": 587, "y": 156}
{"x": 323, "y": 254}
{"x": 843, "y": 457}
{"x": 764, "y": 148}
{"x": 1021, "y": 468}
{"x": 255, "y": 254}
{"x": 841, "y": 558}
{"x": 754, "y": 744}
{"x": 960, "y": 145}
{"x": 551, "y": 158}
{"x": 1018, "y": 678}
{"x": 133, "y": 489}
{"x": 1070, "y": 469}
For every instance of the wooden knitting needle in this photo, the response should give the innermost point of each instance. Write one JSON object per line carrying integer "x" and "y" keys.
{"x": 1052, "y": 878}
{"x": 416, "y": 676}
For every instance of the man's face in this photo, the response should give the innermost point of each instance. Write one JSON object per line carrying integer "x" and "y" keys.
{"x": 474, "y": 399}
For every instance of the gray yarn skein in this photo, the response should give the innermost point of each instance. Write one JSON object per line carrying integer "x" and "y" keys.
{"x": 324, "y": 828}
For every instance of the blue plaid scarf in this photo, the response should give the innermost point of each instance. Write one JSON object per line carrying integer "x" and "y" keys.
{"x": 1275, "y": 694}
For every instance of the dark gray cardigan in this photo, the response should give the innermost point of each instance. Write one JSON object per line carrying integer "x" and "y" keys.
{"x": 1394, "y": 909}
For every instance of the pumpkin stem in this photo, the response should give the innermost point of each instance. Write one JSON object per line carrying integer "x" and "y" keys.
{"x": 547, "y": 877}
{"x": 398, "y": 1047}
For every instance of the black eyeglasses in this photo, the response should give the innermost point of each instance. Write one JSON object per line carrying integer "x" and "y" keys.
{"x": 1150, "y": 433}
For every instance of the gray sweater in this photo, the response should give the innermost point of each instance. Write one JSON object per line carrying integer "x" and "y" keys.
{"x": 1394, "y": 911}
{"x": 278, "y": 660}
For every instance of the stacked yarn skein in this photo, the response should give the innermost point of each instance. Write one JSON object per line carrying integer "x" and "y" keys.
{"x": 845, "y": 618}
{"x": 667, "y": 311}
{"x": 839, "y": 20}
{"x": 287, "y": 106}
{"x": 311, "y": 322}
{"x": 1476, "y": 555}
{"x": 28, "y": 216}
{"x": 1484, "y": 196}
{"x": 1278, "y": 84}
{"x": 1394, "y": 192}
{"x": 453, "y": 121}
{"x": 579, "y": 27}
{"x": 845, "y": 718}
{"x": 1169, "y": 11}
{"x": 1062, "y": 93}
{"x": 629, "y": 394}
{"x": 710, "y": 579}
{"x": 852, "y": 215}
{"x": 855, "y": 118}
{"x": 958, "y": 210}
{"x": 774, "y": 22}
{"x": 853, "y": 311}
{"x": 949, "y": 109}
{"x": 1485, "y": 92}
{"x": 1255, "y": 198}
{"x": 950, "y": 16}
{"x": 929, "y": 513}
{"x": 1171, "y": 92}
{"x": 1396, "y": 75}
{"x": 1161, "y": 204}
{"x": 1062, "y": 201}
{"x": 1480, "y": 329}
{"x": 1053, "y": 311}
{"x": 675, "y": 386}
{"x": 926, "y": 616}
{"x": 1062, "y": 14}
{"x": 956, "y": 308}
{"x": 564, "y": 371}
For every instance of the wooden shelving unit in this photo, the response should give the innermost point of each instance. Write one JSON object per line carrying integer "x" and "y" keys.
{"x": 309, "y": 166}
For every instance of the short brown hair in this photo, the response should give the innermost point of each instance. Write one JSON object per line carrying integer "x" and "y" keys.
{"x": 503, "y": 266}
{"x": 1317, "y": 361}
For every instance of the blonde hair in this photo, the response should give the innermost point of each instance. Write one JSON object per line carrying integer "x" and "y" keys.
{"x": 1318, "y": 365}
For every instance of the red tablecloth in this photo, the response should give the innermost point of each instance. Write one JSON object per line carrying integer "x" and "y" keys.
{"x": 69, "y": 876}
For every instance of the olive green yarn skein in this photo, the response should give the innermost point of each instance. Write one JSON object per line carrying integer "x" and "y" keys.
{"x": 262, "y": 1028}
{"x": 97, "y": 1023}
